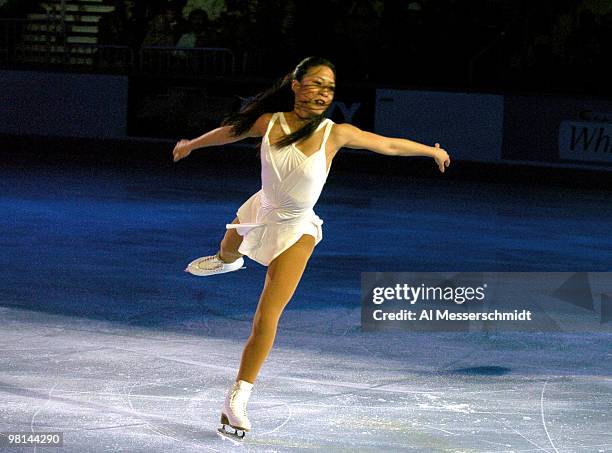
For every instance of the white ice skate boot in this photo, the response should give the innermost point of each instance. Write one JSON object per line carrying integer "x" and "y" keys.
{"x": 234, "y": 414}
{"x": 211, "y": 265}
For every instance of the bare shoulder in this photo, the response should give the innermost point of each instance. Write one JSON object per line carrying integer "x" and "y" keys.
{"x": 342, "y": 133}
{"x": 261, "y": 125}
{"x": 344, "y": 129}
{"x": 349, "y": 136}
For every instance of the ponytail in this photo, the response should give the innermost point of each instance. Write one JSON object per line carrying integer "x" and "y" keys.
{"x": 278, "y": 98}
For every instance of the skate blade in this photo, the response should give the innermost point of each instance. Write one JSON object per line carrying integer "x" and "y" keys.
{"x": 234, "y": 437}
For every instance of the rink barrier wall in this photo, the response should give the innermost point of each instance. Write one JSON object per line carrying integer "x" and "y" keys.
{"x": 361, "y": 167}
{"x": 514, "y": 129}
{"x": 545, "y": 131}
{"x": 63, "y": 104}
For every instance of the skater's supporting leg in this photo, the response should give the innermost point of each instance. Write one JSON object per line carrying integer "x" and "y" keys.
{"x": 282, "y": 278}
{"x": 228, "y": 249}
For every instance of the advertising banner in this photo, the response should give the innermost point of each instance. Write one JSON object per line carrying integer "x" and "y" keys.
{"x": 562, "y": 131}
{"x": 585, "y": 141}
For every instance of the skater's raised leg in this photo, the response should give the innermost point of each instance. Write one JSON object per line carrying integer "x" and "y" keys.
{"x": 228, "y": 249}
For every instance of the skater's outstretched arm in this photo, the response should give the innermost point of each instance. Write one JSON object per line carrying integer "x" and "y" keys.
{"x": 347, "y": 135}
{"x": 219, "y": 136}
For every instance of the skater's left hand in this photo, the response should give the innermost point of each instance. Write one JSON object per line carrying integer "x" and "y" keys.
{"x": 181, "y": 150}
{"x": 441, "y": 157}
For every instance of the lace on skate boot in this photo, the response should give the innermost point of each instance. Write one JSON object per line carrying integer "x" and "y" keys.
{"x": 211, "y": 265}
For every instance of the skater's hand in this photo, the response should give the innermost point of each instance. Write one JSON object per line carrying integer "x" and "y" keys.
{"x": 181, "y": 150}
{"x": 441, "y": 157}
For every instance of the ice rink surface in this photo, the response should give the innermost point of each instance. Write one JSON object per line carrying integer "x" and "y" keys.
{"x": 104, "y": 337}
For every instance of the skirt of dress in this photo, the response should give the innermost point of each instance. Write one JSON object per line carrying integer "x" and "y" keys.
{"x": 265, "y": 240}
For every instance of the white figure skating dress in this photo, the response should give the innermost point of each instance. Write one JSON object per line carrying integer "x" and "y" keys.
{"x": 274, "y": 218}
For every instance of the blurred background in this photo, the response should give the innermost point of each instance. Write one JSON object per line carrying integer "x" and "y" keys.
{"x": 496, "y": 81}
{"x": 551, "y": 45}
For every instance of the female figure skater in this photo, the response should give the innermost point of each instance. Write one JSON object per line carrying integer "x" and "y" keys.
{"x": 277, "y": 226}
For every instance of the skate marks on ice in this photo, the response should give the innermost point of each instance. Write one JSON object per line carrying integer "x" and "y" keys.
{"x": 86, "y": 423}
{"x": 162, "y": 391}
{"x": 462, "y": 402}
{"x": 261, "y": 437}
{"x": 455, "y": 406}
{"x": 448, "y": 418}
{"x": 543, "y": 418}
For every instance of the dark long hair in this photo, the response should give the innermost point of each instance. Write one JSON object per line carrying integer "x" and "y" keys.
{"x": 278, "y": 98}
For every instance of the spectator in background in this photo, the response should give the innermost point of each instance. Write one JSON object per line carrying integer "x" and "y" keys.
{"x": 271, "y": 32}
{"x": 404, "y": 36}
{"x": 583, "y": 43}
{"x": 547, "y": 62}
{"x": 213, "y": 8}
{"x": 119, "y": 27}
{"x": 445, "y": 55}
{"x": 357, "y": 37}
{"x": 196, "y": 35}
{"x": 287, "y": 27}
{"x": 309, "y": 19}
{"x": 584, "y": 48}
{"x": 606, "y": 50}
{"x": 236, "y": 29}
{"x": 513, "y": 56}
{"x": 606, "y": 34}
{"x": 563, "y": 24}
{"x": 161, "y": 28}
{"x": 253, "y": 29}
